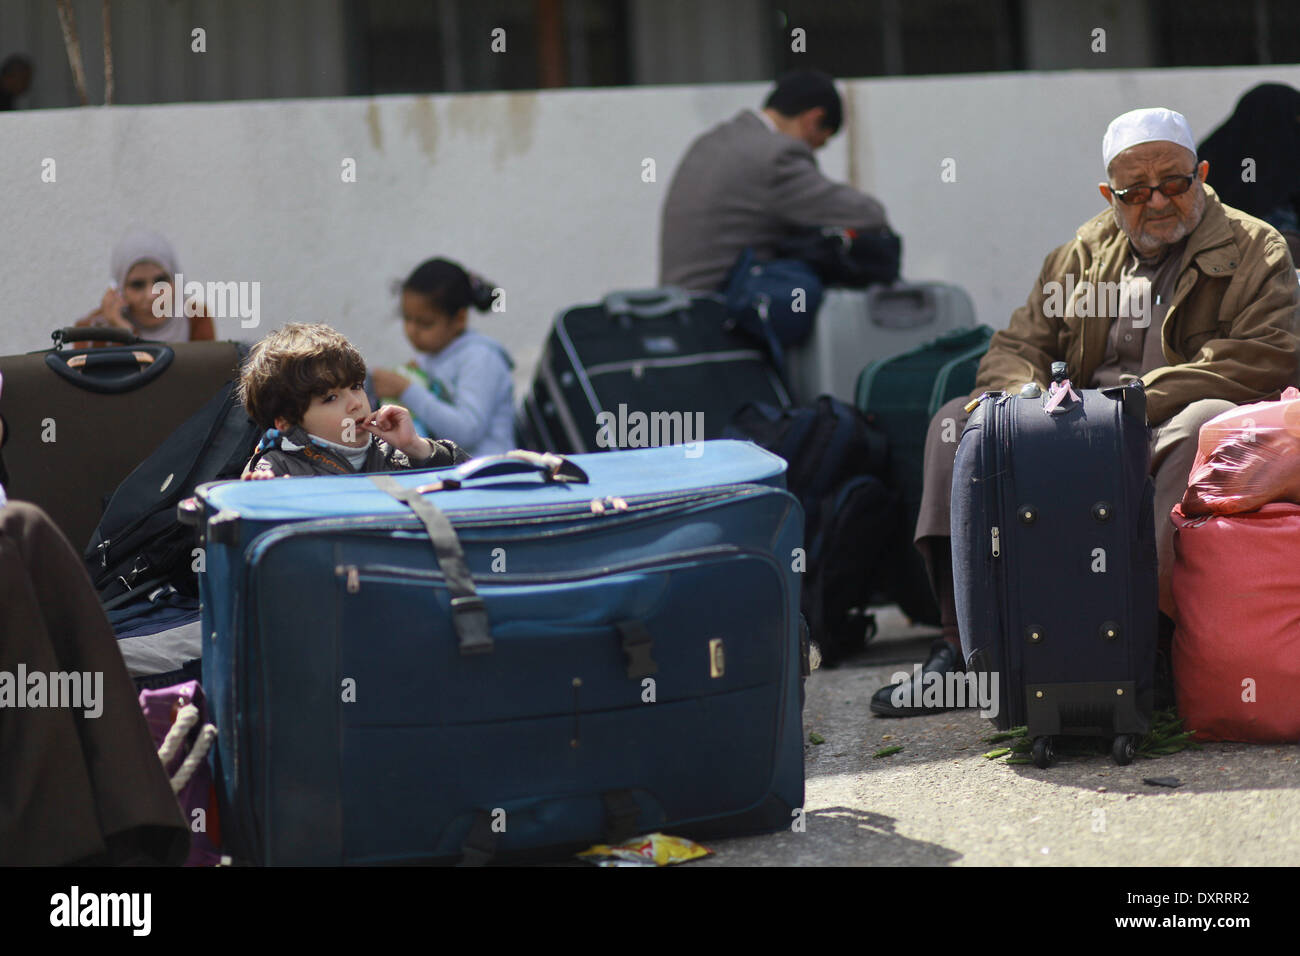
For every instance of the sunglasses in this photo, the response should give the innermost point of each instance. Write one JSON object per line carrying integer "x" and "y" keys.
{"x": 1173, "y": 186}
{"x": 135, "y": 285}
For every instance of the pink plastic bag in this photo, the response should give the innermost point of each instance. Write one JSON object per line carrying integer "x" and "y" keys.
{"x": 1247, "y": 457}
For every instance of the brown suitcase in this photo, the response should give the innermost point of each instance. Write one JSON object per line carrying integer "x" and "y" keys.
{"x": 80, "y": 419}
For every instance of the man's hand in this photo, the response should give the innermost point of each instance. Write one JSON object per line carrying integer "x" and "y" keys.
{"x": 393, "y": 424}
{"x": 389, "y": 384}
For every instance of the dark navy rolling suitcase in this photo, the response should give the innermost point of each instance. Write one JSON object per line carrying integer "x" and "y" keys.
{"x": 666, "y": 355}
{"x": 1054, "y": 561}
{"x": 524, "y": 655}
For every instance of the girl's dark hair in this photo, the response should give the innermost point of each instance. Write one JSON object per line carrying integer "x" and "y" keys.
{"x": 449, "y": 287}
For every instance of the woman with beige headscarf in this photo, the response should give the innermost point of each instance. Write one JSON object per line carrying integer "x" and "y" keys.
{"x": 142, "y": 262}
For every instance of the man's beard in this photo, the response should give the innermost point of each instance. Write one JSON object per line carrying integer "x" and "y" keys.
{"x": 1149, "y": 246}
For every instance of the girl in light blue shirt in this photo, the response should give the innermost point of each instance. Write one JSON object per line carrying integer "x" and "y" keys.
{"x": 458, "y": 387}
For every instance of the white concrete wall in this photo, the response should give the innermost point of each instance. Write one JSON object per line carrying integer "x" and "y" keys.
{"x": 1037, "y": 135}
{"x": 542, "y": 193}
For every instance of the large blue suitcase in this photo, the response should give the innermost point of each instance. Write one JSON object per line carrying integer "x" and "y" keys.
{"x": 1054, "y": 562}
{"x": 623, "y": 655}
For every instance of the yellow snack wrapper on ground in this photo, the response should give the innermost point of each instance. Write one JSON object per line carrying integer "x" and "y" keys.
{"x": 655, "y": 849}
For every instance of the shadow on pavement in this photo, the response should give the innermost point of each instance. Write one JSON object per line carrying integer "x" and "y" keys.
{"x": 833, "y": 836}
{"x": 837, "y": 710}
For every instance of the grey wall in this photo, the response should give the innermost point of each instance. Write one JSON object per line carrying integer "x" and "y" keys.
{"x": 255, "y": 49}
{"x": 541, "y": 192}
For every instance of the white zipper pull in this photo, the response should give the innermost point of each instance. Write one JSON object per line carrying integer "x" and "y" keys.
{"x": 997, "y": 544}
{"x": 353, "y": 575}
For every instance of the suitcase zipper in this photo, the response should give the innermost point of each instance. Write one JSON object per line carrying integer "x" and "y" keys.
{"x": 676, "y": 361}
{"x": 633, "y": 507}
{"x": 354, "y": 573}
{"x": 1000, "y": 420}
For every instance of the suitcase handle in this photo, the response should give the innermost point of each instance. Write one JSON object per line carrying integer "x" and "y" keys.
{"x": 111, "y": 371}
{"x": 923, "y": 312}
{"x": 94, "y": 333}
{"x": 648, "y": 303}
{"x": 469, "y": 616}
{"x": 552, "y": 468}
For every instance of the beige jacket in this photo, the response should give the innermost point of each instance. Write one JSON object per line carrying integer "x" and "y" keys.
{"x": 1230, "y": 332}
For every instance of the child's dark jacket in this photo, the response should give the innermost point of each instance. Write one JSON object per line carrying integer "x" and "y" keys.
{"x": 295, "y": 453}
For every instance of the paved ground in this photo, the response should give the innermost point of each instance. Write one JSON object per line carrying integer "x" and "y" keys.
{"x": 940, "y": 802}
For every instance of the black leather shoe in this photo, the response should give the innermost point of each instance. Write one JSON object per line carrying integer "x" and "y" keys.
{"x": 901, "y": 700}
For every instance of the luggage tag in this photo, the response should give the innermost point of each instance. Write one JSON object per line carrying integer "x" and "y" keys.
{"x": 1059, "y": 390}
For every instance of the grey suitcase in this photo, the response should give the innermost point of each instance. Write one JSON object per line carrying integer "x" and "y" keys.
{"x": 857, "y": 326}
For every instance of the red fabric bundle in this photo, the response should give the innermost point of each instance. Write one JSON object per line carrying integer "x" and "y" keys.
{"x": 1236, "y": 650}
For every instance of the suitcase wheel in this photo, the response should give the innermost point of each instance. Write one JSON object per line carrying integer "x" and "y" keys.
{"x": 1123, "y": 749}
{"x": 1044, "y": 753}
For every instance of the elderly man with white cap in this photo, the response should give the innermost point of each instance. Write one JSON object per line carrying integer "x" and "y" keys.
{"x": 1169, "y": 285}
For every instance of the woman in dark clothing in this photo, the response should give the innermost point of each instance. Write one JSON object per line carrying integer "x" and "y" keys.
{"x": 1264, "y": 128}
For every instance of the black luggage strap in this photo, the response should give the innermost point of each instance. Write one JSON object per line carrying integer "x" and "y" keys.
{"x": 621, "y": 813}
{"x": 637, "y": 644}
{"x": 480, "y": 846}
{"x": 468, "y": 615}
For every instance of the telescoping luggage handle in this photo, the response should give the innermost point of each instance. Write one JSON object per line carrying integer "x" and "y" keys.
{"x": 648, "y": 303}
{"x": 94, "y": 333}
{"x": 902, "y": 306}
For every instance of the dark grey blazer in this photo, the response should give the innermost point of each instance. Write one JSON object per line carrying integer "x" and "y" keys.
{"x": 742, "y": 184}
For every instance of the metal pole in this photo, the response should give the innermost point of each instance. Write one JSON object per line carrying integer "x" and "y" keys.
{"x": 108, "y": 53}
{"x": 68, "y": 21}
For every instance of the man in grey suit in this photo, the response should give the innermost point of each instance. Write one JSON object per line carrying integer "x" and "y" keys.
{"x": 752, "y": 181}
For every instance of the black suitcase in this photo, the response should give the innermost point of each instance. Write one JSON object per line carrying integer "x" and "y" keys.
{"x": 1054, "y": 561}
{"x": 664, "y": 364}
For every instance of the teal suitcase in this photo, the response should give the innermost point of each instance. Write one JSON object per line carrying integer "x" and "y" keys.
{"x": 901, "y": 394}
{"x": 515, "y": 658}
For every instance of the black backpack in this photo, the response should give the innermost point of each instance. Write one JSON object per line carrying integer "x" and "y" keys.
{"x": 139, "y": 543}
{"x": 854, "y": 258}
{"x": 837, "y": 464}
